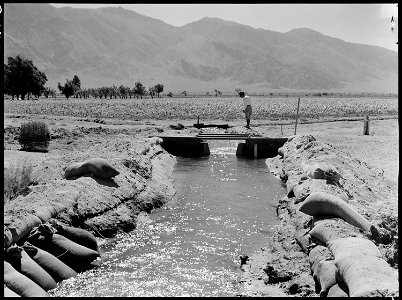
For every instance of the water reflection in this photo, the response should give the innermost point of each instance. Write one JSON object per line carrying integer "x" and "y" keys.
{"x": 225, "y": 207}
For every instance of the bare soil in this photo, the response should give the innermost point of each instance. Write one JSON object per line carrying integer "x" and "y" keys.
{"x": 74, "y": 138}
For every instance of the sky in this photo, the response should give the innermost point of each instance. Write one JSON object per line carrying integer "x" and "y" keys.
{"x": 358, "y": 23}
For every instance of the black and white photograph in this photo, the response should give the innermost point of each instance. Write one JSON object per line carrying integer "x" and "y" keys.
{"x": 200, "y": 149}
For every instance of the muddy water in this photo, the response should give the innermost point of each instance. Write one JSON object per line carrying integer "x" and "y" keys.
{"x": 225, "y": 207}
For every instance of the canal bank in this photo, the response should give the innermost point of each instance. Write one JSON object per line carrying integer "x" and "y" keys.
{"x": 321, "y": 246}
{"x": 100, "y": 204}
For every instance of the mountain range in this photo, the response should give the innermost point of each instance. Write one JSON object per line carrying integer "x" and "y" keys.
{"x": 107, "y": 46}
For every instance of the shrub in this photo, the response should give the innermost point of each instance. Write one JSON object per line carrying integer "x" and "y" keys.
{"x": 17, "y": 178}
{"x": 34, "y": 136}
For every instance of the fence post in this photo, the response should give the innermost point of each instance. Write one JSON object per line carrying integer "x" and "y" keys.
{"x": 297, "y": 114}
{"x": 366, "y": 127}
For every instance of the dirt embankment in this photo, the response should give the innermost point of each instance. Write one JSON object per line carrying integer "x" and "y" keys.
{"x": 103, "y": 206}
{"x": 341, "y": 197}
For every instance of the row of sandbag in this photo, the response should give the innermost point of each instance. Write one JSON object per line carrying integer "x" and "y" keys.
{"x": 53, "y": 252}
{"x": 343, "y": 263}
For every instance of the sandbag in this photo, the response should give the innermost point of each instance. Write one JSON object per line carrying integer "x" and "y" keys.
{"x": 51, "y": 264}
{"x": 307, "y": 187}
{"x": 8, "y": 237}
{"x": 21, "y": 261}
{"x": 317, "y": 254}
{"x": 323, "y": 204}
{"x": 9, "y": 293}
{"x": 293, "y": 179}
{"x": 99, "y": 167}
{"x": 301, "y": 191}
{"x": 45, "y": 213}
{"x": 321, "y": 170}
{"x": 353, "y": 246}
{"x": 297, "y": 141}
{"x": 21, "y": 284}
{"x": 325, "y": 275}
{"x": 74, "y": 255}
{"x": 331, "y": 229}
{"x": 337, "y": 291}
{"x": 281, "y": 151}
{"x": 155, "y": 140}
{"x": 303, "y": 240}
{"x": 367, "y": 276}
{"x": 77, "y": 235}
{"x": 20, "y": 228}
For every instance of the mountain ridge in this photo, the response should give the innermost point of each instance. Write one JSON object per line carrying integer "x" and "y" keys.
{"x": 106, "y": 46}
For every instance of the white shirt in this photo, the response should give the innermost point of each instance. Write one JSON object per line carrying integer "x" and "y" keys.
{"x": 247, "y": 101}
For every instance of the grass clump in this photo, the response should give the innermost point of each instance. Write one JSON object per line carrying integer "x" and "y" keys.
{"x": 34, "y": 136}
{"x": 17, "y": 179}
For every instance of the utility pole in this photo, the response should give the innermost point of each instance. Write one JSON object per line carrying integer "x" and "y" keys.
{"x": 297, "y": 114}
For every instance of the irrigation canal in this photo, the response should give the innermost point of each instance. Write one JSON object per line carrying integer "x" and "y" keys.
{"x": 225, "y": 207}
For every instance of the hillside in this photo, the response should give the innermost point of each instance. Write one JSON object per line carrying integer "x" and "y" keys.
{"x": 108, "y": 46}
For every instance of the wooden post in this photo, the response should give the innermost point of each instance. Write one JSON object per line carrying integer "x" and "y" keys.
{"x": 297, "y": 114}
{"x": 255, "y": 150}
{"x": 281, "y": 130}
{"x": 205, "y": 149}
{"x": 366, "y": 127}
{"x": 198, "y": 120}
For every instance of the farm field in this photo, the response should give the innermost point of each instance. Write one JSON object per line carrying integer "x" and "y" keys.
{"x": 85, "y": 128}
{"x": 210, "y": 109}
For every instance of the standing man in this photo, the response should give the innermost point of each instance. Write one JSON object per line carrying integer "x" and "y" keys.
{"x": 247, "y": 107}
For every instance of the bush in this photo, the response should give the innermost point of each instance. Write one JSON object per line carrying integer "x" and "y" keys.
{"x": 17, "y": 178}
{"x": 34, "y": 136}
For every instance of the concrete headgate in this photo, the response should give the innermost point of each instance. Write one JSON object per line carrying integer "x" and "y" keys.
{"x": 197, "y": 146}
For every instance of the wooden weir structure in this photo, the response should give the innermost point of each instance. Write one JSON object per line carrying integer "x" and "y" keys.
{"x": 197, "y": 146}
{"x": 223, "y": 136}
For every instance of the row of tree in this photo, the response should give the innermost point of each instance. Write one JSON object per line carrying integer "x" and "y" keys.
{"x": 73, "y": 88}
{"x": 22, "y": 78}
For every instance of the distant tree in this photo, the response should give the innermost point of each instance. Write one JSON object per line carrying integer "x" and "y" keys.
{"x": 184, "y": 93}
{"x": 158, "y": 88}
{"x": 114, "y": 92}
{"x": 122, "y": 91}
{"x": 127, "y": 91}
{"x": 217, "y": 93}
{"x": 169, "y": 94}
{"x": 139, "y": 89}
{"x": 38, "y": 83}
{"x": 130, "y": 92}
{"x": 6, "y": 78}
{"x": 77, "y": 86}
{"x": 94, "y": 93}
{"x": 21, "y": 77}
{"x": 77, "y": 82}
{"x": 104, "y": 92}
{"x": 86, "y": 93}
{"x": 82, "y": 93}
{"x": 152, "y": 91}
{"x": 49, "y": 92}
{"x": 68, "y": 89}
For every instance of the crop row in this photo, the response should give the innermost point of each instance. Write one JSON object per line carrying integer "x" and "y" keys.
{"x": 207, "y": 108}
